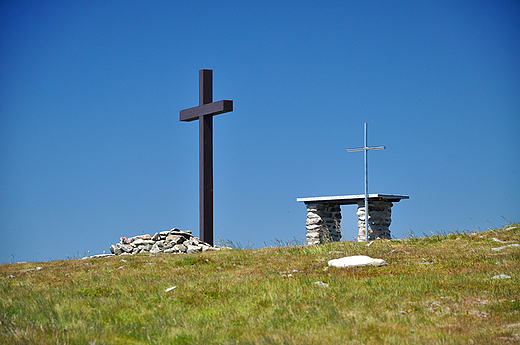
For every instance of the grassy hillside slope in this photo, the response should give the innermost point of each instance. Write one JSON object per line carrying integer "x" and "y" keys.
{"x": 434, "y": 290}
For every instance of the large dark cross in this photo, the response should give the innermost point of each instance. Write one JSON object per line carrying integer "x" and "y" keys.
{"x": 204, "y": 113}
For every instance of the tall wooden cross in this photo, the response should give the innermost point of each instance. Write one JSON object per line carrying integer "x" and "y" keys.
{"x": 204, "y": 113}
{"x": 366, "y": 149}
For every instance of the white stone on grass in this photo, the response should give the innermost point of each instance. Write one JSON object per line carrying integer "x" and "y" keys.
{"x": 510, "y": 245}
{"x": 170, "y": 289}
{"x": 502, "y": 276}
{"x": 356, "y": 261}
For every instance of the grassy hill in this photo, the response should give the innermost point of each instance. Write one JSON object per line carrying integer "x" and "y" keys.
{"x": 434, "y": 290}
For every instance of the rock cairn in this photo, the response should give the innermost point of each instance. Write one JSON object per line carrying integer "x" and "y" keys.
{"x": 173, "y": 241}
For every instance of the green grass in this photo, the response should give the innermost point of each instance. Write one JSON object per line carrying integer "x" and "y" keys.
{"x": 435, "y": 290}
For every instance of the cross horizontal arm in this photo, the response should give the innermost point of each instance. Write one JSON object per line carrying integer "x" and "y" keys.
{"x": 214, "y": 108}
{"x": 366, "y": 148}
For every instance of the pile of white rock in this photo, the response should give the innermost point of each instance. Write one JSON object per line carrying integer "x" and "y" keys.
{"x": 173, "y": 241}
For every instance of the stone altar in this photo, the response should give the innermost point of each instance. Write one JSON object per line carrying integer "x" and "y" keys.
{"x": 324, "y": 216}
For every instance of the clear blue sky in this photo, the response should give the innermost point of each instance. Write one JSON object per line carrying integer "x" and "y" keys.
{"x": 92, "y": 149}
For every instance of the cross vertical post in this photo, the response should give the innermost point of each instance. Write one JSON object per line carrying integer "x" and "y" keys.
{"x": 204, "y": 113}
{"x": 206, "y": 159}
{"x": 366, "y": 149}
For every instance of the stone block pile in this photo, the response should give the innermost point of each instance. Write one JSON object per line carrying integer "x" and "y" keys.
{"x": 174, "y": 241}
{"x": 379, "y": 219}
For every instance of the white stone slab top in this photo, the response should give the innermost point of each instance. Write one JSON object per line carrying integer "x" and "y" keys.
{"x": 352, "y": 199}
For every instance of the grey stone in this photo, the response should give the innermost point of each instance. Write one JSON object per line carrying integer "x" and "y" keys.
{"x": 126, "y": 248}
{"x": 177, "y": 231}
{"x": 314, "y": 221}
{"x": 315, "y": 227}
{"x": 313, "y": 234}
{"x": 192, "y": 242}
{"x": 312, "y": 215}
{"x": 145, "y": 247}
{"x": 190, "y": 249}
{"x": 155, "y": 249}
{"x": 175, "y": 239}
{"x": 180, "y": 248}
{"x": 138, "y": 242}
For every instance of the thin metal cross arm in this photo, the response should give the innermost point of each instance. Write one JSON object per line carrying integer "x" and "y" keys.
{"x": 366, "y": 148}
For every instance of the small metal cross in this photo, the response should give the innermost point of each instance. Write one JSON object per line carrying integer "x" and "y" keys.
{"x": 366, "y": 149}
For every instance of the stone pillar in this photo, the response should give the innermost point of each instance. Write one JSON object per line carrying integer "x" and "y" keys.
{"x": 379, "y": 213}
{"x": 323, "y": 223}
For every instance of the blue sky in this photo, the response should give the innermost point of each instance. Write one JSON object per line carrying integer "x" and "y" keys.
{"x": 92, "y": 149}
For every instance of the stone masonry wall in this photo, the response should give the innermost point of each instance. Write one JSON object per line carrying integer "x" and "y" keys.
{"x": 323, "y": 223}
{"x": 379, "y": 214}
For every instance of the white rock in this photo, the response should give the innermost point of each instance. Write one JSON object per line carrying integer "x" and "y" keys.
{"x": 155, "y": 249}
{"x": 356, "y": 261}
{"x": 510, "y": 245}
{"x": 190, "y": 249}
{"x": 138, "y": 242}
{"x": 170, "y": 289}
{"x": 97, "y": 256}
{"x": 502, "y": 276}
{"x": 322, "y": 284}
